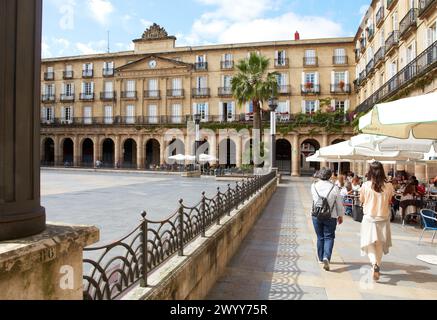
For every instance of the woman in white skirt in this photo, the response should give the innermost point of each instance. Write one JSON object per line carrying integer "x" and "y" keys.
{"x": 376, "y": 195}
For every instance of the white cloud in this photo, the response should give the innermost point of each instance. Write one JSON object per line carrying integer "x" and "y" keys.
{"x": 45, "y": 49}
{"x": 146, "y": 23}
{"x": 247, "y": 22}
{"x": 100, "y": 10}
{"x": 93, "y": 47}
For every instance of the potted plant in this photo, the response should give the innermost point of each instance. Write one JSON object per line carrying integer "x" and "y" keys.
{"x": 309, "y": 85}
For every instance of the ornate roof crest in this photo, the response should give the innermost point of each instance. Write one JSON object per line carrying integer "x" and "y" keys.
{"x": 155, "y": 32}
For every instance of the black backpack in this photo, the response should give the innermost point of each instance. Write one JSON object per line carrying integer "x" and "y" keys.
{"x": 321, "y": 209}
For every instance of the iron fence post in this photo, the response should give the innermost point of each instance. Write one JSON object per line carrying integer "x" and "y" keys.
{"x": 181, "y": 228}
{"x": 202, "y": 213}
{"x": 229, "y": 200}
{"x": 236, "y": 196}
{"x": 219, "y": 212}
{"x": 144, "y": 227}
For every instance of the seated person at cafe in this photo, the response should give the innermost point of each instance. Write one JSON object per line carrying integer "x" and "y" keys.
{"x": 433, "y": 188}
{"x": 346, "y": 192}
{"x": 356, "y": 184}
{"x": 408, "y": 201}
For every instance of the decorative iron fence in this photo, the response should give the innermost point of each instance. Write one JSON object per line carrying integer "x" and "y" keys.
{"x": 128, "y": 261}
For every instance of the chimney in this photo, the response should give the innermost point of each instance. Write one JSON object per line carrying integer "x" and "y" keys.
{"x": 296, "y": 36}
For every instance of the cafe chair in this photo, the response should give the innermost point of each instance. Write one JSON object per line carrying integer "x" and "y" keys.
{"x": 429, "y": 218}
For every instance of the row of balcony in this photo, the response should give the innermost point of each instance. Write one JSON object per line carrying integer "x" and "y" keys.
{"x": 425, "y": 62}
{"x": 308, "y": 88}
{"x": 86, "y": 74}
{"x": 201, "y": 66}
{"x": 246, "y": 118}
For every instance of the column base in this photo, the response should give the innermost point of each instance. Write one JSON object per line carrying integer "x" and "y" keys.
{"x": 21, "y": 225}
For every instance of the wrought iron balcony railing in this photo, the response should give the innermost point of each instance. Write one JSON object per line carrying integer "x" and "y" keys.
{"x": 380, "y": 16}
{"x": 284, "y": 89}
{"x": 227, "y": 65}
{"x": 108, "y": 96}
{"x": 409, "y": 22}
{"x": 310, "y": 88}
{"x": 129, "y": 95}
{"x": 48, "y": 98}
{"x": 341, "y": 88}
{"x": 175, "y": 93}
{"x": 225, "y": 92}
{"x": 392, "y": 41}
{"x": 108, "y": 72}
{"x": 201, "y": 92}
{"x": 49, "y": 76}
{"x": 68, "y": 75}
{"x": 201, "y": 66}
{"x": 67, "y": 97}
{"x": 379, "y": 56}
{"x": 87, "y": 73}
{"x": 152, "y": 94}
{"x": 310, "y": 61}
{"x": 282, "y": 63}
{"x": 425, "y": 7}
{"x": 370, "y": 68}
{"x": 340, "y": 60}
{"x": 86, "y": 97}
{"x": 424, "y": 63}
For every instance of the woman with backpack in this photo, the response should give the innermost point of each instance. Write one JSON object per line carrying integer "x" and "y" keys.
{"x": 327, "y": 210}
{"x": 376, "y": 195}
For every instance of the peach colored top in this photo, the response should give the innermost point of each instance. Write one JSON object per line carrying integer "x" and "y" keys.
{"x": 376, "y": 205}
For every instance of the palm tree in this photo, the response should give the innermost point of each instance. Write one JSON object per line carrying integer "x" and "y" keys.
{"x": 254, "y": 84}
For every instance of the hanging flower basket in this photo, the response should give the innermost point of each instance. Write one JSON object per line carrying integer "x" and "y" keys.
{"x": 309, "y": 85}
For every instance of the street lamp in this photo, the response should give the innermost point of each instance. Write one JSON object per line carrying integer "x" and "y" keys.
{"x": 197, "y": 119}
{"x": 273, "y": 105}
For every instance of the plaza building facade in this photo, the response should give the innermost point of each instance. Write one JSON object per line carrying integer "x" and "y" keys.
{"x": 117, "y": 107}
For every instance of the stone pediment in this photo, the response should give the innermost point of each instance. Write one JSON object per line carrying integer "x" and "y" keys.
{"x": 153, "y": 63}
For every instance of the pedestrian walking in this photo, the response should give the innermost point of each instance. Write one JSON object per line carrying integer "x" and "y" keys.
{"x": 376, "y": 195}
{"x": 328, "y": 211}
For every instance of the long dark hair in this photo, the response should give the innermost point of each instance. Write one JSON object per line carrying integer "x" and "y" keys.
{"x": 377, "y": 175}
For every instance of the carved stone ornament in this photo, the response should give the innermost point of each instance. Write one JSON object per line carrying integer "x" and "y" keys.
{"x": 155, "y": 32}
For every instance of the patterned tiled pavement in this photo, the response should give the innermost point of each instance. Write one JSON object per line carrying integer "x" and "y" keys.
{"x": 277, "y": 261}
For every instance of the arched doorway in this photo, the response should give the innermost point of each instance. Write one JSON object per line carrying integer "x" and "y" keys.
{"x": 68, "y": 152}
{"x": 309, "y": 148}
{"x": 345, "y": 167}
{"x": 176, "y": 147}
{"x": 153, "y": 154}
{"x": 283, "y": 156}
{"x": 228, "y": 153}
{"x": 108, "y": 153}
{"x": 88, "y": 153}
{"x": 203, "y": 147}
{"x": 130, "y": 154}
{"x": 49, "y": 153}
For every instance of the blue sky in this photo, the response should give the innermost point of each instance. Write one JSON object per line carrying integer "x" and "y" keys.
{"x": 72, "y": 27}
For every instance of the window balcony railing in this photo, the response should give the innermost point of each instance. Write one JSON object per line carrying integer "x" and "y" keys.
{"x": 391, "y": 4}
{"x": 284, "y": 89}
{"x": 48, "y": 98}
{"x": 227, "y": 65}
{"x": 68, "y": 75}
{"x": 310, "y": 61}
{"x": 370, "y": 32}
{"x": 425, "y": 7}
{"x": 423, "y": 64}
{"x": 49, "y": 76}
{"x": 370, "y": 68}
{"x": 86, "y": 97}
{"x": 67, "y": 97}
{"x": 362, "y": 77}
{"x": 379, "y": 56}
{"x": 380, "y": 15}
{"x": 108, "y": 72}
{"x": 87, "y": 73}
{"x": 108, "y": 96}
{"x": 282, "y": 63}
{"x": 225, "y": 92}
{"x": 310, "y": 88}
{"x": 175, "y": 93}
{"x": 392, "y": 41}
{"x": 340, "y": 60}
{"x": 152, "y": 94}
{"x": 340, "y": 88}
{"x": 129, "y": 95}
{"x": 201, "y": 66}
{"x": 201, "y": 93}
{"x": 409, "y": 22}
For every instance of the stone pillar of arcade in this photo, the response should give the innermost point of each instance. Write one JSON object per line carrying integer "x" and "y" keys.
{"x": 32, "y": 253}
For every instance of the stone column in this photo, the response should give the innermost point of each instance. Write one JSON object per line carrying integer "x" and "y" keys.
{"x": 295, "y": 158}
{"x": 239, "y": 151}
{"x": 77, "y": 157}
{"x": 21, "y": 213}
{"x": 325, "y": 144}
{"x": 117, "y": 151}
{"x": 58, "y": 156}
{"x": 162, "y": 154}
{"x": 140, "y": 153}
{"x": 96, "y": 149}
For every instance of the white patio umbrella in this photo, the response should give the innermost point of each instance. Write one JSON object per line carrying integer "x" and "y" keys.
{"x": 384, "y": 143}
{"x": 207, "y": 158}
{"x": 178, "y": 157}
{"x": 317, "y": 158}
{"x": 411, "y": 117}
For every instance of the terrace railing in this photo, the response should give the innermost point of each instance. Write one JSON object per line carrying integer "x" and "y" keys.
{"x": 129, "y": 261}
